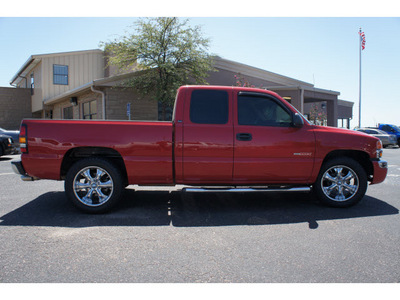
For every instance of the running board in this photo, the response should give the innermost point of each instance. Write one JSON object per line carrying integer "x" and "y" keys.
{"x": 244, "y": 190}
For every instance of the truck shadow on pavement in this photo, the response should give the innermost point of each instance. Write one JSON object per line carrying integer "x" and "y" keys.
{"x": 180, "y": 209}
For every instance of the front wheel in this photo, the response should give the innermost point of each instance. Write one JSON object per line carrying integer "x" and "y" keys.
{"x": 94, "y": 185}
{"x": 342, "y": 182}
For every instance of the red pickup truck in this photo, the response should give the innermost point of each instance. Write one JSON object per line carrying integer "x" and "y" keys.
{"x": 223, "y": 138}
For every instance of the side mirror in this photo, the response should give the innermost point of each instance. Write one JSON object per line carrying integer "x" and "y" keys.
{"x": 297, "y": 121}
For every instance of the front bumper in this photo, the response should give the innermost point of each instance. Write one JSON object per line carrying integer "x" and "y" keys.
{"x": 380, "y": 171}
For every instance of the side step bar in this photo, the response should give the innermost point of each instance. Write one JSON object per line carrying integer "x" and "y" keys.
{"x": 244, "y": 190}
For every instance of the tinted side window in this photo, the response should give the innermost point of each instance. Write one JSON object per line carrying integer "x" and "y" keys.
{"x": 209, "y": 107}
{"x": 260, "y": 111}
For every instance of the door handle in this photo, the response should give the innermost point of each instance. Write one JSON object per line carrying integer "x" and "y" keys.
{"x": 244, "y": 137}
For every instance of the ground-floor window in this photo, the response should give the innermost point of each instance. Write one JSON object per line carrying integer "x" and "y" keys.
{"x": 90, "y": 110}
{"x": 165, "y": 112}
{"x": 68, "y": 113}
{"x": 48, "y": 114}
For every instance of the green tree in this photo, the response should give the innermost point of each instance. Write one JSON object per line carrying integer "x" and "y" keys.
{"x": 317, "y": 116}
{"x": 169, "y": 52}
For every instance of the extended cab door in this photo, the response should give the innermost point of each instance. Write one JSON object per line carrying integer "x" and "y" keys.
{"x": 207, "y": 136}
{"x": 268, "y": 149}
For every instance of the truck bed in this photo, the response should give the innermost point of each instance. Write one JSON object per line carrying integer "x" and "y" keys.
{"x": 145, "y": 147}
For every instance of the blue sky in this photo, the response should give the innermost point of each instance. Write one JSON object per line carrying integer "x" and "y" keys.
{"x": 319, "y": 50}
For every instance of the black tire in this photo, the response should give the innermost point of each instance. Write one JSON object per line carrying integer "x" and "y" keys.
{"x": 94, "y": 185}
{"x": 342, "y": 182}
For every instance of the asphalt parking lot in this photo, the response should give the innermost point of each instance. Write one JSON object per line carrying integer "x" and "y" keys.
{"x": 164, "y": 235}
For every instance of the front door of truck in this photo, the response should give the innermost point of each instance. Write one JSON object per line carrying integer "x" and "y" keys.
{"x": 268, "y": 149}
{"x": 208, "y": 136}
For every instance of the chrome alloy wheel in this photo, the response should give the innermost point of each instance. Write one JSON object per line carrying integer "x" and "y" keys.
{"x": 93, "y": 186}
{"x": 340, "y": 183}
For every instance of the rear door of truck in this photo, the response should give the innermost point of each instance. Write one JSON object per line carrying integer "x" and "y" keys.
{"x": 207, "y": 154}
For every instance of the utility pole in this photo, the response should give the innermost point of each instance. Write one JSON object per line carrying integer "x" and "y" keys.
{"x": 362, "y": 47}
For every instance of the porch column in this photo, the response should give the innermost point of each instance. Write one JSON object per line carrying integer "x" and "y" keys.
{"x": 332, "y": 112}
{"x": 297, "y": 99}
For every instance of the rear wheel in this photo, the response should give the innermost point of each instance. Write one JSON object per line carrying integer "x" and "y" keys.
{"x": 342, "y": 182}
{"x": 94, "y": 185}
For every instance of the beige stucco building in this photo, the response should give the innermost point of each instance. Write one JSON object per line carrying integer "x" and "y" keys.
{"x": 50, "y": 75}
{"x": 79, "y": 85}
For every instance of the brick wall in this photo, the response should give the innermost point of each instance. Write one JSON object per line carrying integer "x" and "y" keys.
{"x": 141, "y": 108}
{"x": 116, "y": 102}
{"x": 77, "y": 109}
{"x": 15, "y": 105}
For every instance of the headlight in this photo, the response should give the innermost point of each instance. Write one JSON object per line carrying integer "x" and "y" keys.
{"x": 10, "y": 141}
{"x": 379, "y": 151}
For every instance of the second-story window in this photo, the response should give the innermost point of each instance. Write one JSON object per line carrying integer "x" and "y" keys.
{"x": 60, "y": 74}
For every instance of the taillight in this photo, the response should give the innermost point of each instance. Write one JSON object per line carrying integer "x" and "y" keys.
{"x": 23, "y": 138}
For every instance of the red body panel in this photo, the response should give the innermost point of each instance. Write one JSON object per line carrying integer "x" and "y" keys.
{"x": 379, "y": 173}
{"x": 146, "y": 147}
{"x": 207, "y": 148}
{"x": 165, "y": 153}
{"x": 329, "y": 139}
{"x": 275, "y": 154}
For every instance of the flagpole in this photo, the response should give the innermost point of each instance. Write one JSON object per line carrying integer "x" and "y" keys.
{"x": 359, "y": 91}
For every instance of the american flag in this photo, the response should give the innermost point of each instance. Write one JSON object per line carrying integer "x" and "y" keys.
{"x": 362, "y": 35}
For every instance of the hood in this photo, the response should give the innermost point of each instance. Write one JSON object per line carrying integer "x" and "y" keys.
{"x": 340, "y": 131}
{"x": 345, "y": 139}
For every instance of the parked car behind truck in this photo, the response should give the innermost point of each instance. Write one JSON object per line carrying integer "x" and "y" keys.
{"x": 14, "y": 134}
{"x": 386, "y": 139}
{"x": 219, "y": 137}
{"x": 391, "y": 129}
{"x": 7, "y": 146}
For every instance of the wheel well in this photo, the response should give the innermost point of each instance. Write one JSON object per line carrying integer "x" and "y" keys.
{"x": 76, "y": 154}
{"x": 361, "y": 157}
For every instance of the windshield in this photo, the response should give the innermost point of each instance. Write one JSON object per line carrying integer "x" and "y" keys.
{"x": 396, "y": 128}
{"x": 381, "y": 131}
